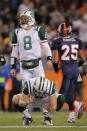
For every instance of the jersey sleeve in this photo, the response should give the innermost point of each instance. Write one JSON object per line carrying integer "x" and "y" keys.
{"x": 25, "y": 88}
{"x": 28, "y": 86}
{"x": 14, "y": 43}
{"x": 56, "y": 44}
{"x": 80, "y": 45}
{"x": 14, "y": 38}
{"x": 42, "y": 34}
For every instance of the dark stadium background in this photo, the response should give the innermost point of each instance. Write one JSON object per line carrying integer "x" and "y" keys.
{"x": 48, "y": 13}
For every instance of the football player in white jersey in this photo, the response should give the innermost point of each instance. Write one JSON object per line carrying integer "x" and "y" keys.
{"x": 26, "y": 43}
{"x": 39, "y": 92}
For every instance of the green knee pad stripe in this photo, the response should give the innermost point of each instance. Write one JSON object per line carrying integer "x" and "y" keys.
{"x": 60, "y": 102}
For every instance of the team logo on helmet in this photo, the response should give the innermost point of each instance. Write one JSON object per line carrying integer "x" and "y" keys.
{"x": 64, "y": 30}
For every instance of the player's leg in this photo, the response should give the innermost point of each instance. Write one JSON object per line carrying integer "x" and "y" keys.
{"x": 39, "y": 71}
{"x": 71, "y": 101}
{"x": 65, "y": 91}
{"x": 27, "y": 119}
{"x": 48, "y": 115}
{"x": 26, "y": 75}
{"x": 60, "y": 101}
{"x": 77, "y": 104}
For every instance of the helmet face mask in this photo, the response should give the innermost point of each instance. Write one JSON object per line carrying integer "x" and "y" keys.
{"x": 23, "y": 20}
{"x": 26, "y": 19}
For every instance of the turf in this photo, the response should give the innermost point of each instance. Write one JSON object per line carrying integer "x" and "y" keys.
{"x": 13, "y": 122}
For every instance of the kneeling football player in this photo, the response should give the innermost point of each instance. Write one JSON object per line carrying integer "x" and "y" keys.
{"x": 39, "y": 92}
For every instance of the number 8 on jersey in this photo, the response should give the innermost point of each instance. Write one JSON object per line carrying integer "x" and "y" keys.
{"x": 27, "y": 43}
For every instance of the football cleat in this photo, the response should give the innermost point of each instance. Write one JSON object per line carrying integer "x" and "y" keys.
{"x": 47, "y": 121}
{"x": 27, "y": 121}
{"x": 80, "y": 111}
{"x": 71, "y": 120}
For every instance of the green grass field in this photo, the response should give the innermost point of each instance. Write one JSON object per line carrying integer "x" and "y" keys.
{"x": 13, "y": 122}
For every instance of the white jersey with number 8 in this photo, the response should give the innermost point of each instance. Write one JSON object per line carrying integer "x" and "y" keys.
{"x": 28, "y": 43}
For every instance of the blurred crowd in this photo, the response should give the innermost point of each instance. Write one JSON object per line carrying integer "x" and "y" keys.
{"x": 48, "y": 13}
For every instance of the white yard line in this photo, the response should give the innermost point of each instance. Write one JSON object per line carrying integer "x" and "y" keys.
{"x": 10, "y": 116}
{"x": 13, "y": 127}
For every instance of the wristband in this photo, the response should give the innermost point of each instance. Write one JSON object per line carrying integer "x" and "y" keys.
{"x": 13, "y": 62}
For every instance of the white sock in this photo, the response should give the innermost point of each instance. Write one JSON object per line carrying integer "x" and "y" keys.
{"x": 72, "y": 114}
{"x": 44, "y": 110}
{"x": 50, "y": 114}
{"x": 77, "y": 104}
{"x": 26, "y": 113}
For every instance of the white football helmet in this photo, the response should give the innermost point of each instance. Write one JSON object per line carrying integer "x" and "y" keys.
{"x": 26, "y": 18}
{"x": 40, "y": 86}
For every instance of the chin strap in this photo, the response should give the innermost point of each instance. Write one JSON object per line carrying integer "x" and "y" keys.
{"x": 24, "y": 26}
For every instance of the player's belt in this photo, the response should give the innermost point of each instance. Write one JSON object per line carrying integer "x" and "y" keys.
{"x": 30, "y": 64}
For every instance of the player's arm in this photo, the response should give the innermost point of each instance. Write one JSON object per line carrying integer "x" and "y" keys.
{"x": 82, "y": 56}
{"x": 14, "y": 54}
{"x": 55, "y": 60}
{"x": 25, "y": 97}
{"x": 55, "y": 56}
{"x": 42, "y": 36}
{"x": 51, "y": 107}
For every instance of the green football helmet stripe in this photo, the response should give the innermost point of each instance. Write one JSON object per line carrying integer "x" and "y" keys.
{"x": 50, "y": 87}
{"x": 53, "y": 88}
{"x": 25, "y": 89}
{"x": 29, "y": 86}
{"x": 43, "y": 83}
{"x": 40, "y": 83}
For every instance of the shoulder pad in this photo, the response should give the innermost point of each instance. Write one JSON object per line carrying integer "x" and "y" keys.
{"x": 25, "y": 88}
{"x": 42, "y": 33}
{"x": 14, "y": 37}
{"x": 58, "y": 40}
{"x": 35, "y": 28}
